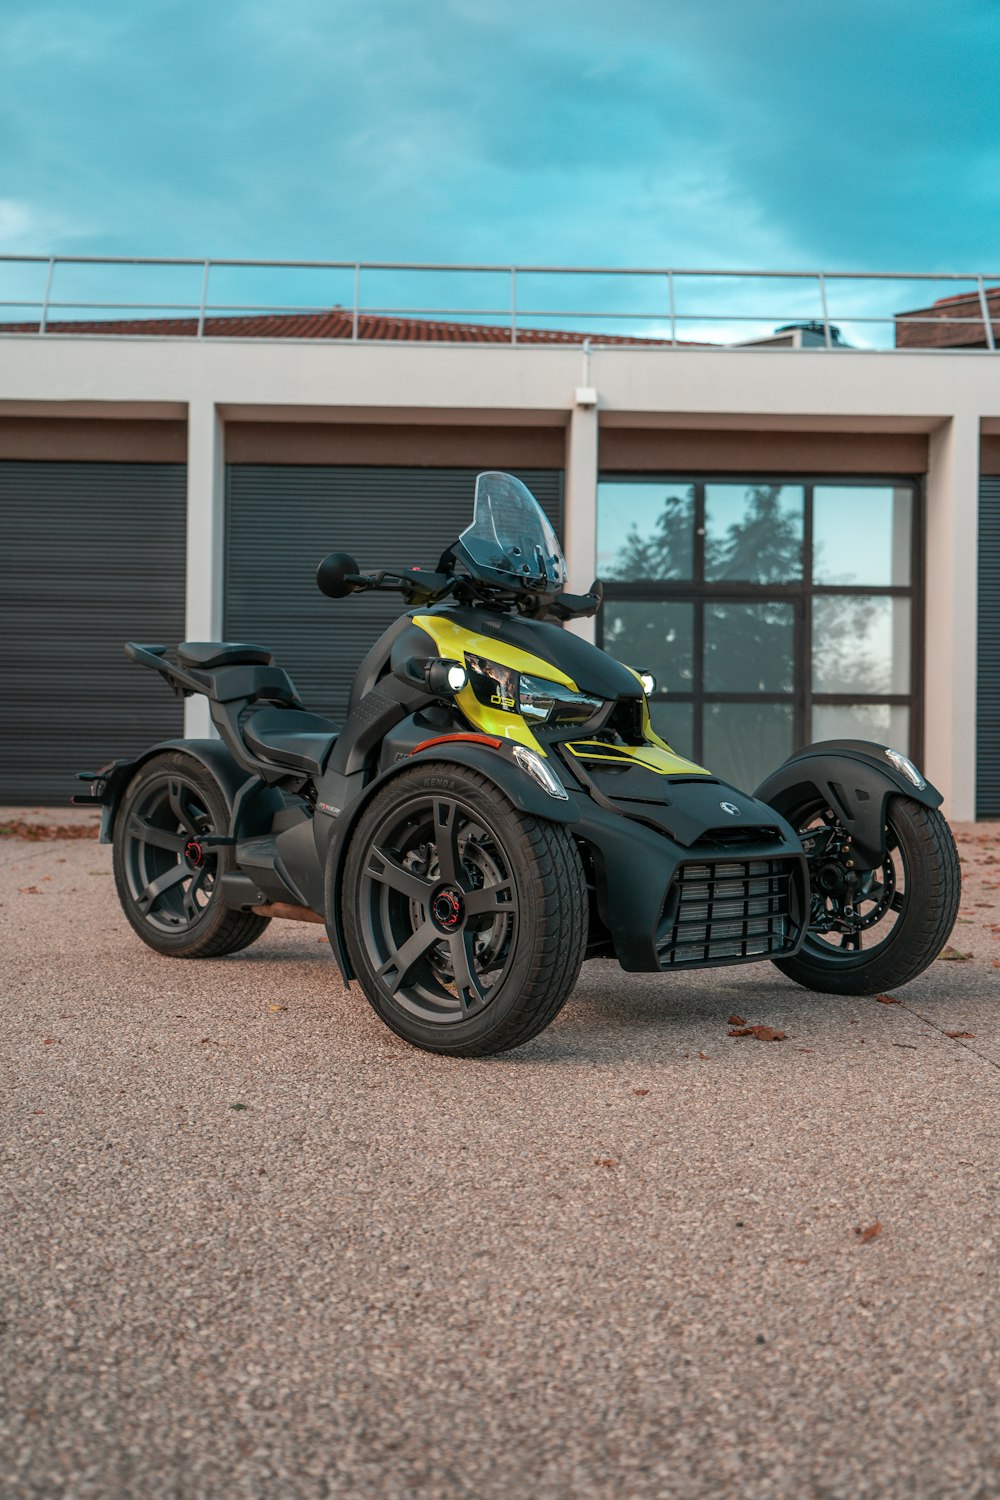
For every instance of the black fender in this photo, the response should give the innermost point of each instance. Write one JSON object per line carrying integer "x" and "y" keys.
{"x": 108, "y": 785}
{"x": 497, "y": 765}
{"x": 855, "y": 779}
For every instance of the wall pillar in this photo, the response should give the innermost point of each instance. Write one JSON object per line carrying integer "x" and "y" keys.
{"x": 950, "y": 629}
{"x": 206, "y": 478}
{"x": 580, "y": 506}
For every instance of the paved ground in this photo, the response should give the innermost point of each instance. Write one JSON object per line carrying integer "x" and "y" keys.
{"x": 254, "y": 1246}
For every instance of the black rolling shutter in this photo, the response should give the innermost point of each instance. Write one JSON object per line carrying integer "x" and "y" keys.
{"x": 988, "y": 686}
{"x": 92, "y": 555}
{"x": 281, "y": 520}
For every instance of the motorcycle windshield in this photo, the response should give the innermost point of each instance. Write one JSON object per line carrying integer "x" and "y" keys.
{"x": 510, "y": 541}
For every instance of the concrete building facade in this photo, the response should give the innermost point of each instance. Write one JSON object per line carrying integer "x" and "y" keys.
{"x": 237, "y": 462}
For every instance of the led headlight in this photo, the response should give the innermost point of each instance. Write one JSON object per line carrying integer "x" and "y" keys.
{"x": 648, "y": 682}
{"x": 445, "y": 677}
{"x": 544, "y": 702}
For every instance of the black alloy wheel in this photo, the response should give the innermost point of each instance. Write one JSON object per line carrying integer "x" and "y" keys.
{"x": 871, "y": 930}
{"x": 465, "y": 919}
{"x": 166, "y": 867}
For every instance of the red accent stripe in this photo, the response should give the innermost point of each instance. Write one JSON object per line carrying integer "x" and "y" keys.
{"x": 447, "y": 739}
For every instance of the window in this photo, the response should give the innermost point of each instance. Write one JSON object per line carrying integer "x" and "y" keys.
{"x": 771, "y": 613}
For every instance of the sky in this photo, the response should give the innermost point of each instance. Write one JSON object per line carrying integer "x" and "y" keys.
{"x": 638, "y": 133}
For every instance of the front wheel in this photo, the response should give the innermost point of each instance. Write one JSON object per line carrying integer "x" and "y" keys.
{"x": 465, "y": 919}
{"x": 873, "y": 930}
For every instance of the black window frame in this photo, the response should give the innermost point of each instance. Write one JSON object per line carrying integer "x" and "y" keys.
{"x": 699, "y": 591}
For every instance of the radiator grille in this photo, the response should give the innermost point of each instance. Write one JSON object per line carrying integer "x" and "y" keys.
{"x": 729, "y": 909}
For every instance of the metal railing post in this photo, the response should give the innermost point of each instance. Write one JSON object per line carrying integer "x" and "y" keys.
{"x": 984, "y": 308}
{"x": 826, "y": 311}
{"x": 204, "y": 299}
{"x": 513, "y": 304}
{"x": 43, "y": 323}
{"x": 673, "y": 309}
{"x": 357, "y": 299}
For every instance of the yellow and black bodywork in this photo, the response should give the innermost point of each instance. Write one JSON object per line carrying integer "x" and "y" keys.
{"x": 683, "y": 870}
{"x": 465, "y": 903}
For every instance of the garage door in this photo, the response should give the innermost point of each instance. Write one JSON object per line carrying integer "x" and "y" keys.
{"x": 92, "y": 555}
{"x": 282, "y": 519}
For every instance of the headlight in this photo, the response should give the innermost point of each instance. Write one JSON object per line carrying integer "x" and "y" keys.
{"x": 536, "y": 698}
{"x": 544, "y": 702}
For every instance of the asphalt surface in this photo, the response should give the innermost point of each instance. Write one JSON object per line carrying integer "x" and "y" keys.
{"x": 254, "y": 1246}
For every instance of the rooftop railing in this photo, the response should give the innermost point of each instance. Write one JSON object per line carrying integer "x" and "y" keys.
{"x": 355, "y": 301}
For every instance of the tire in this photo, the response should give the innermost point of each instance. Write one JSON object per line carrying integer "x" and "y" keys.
{"x": 167, "y": 884}
{"x": 903, "y": 912}
{"x": 465, "y": 920}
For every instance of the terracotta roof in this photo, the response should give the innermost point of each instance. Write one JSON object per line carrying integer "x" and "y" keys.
{"x": 949, "y": 323}
{"x": 336, "y": 323}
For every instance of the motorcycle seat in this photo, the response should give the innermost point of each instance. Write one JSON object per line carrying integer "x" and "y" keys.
{"x": 207, "y": 655}
{"x": 291, "y": 737}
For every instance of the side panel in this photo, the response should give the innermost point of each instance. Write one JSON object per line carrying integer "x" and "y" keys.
{"x": 988, "y": 638}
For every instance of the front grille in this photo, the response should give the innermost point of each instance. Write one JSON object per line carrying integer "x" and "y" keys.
{"x": 727, "y": 911}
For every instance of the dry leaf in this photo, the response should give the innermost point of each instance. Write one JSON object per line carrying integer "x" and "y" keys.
{"x": 958, "y": 1035}
{"x": 761, "y": 1033}
{"x": 865, "y": 1235}
{"x": 703, "y": 1056}
{"x": 28, "y": 890}
{"x": 277, "y": 1007}
{"x": 737, "y": 1021}
{"x": 49, "y": 1040}
{"x": 605, "y": 1161}
{"x": 888, "y": 1000}
{"x": 953, "y": 954}
{"x": 640, "y": 1093}
{"x": 37, "y": 832}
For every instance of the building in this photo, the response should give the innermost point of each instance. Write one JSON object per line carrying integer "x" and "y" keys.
{"x": 799, "y": 539}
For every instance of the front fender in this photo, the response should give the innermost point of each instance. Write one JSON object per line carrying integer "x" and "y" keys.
{"x": 852, "y": 777}
{"x": 496, "y": 765}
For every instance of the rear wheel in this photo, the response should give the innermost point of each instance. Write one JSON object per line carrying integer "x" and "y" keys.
{"x": 872, "y": 930}
{"x": 465, "y": 919}
{"x": 166, "y": 874}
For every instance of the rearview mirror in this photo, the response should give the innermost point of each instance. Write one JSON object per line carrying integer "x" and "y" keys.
{"x": 333, "y": 573}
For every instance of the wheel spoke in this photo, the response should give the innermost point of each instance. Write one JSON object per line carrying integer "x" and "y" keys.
{"x": 491, "y": 898}
{"x": 851, "y": 940}
{"x": 191, "y": 908}
{"x": 396, "y": 968}
{"x": 386, "y": 869}
{"x": 898, "y": 901}
{"x": 469, "y": 987}
{"x": 148, "y": 898}
{"x": 177, "y": 796}
{"x": 159, "y": 838}
{"x": 446, "y": 839}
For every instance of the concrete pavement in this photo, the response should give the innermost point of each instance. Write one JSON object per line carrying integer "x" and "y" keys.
{"x": 255, "y": 1246}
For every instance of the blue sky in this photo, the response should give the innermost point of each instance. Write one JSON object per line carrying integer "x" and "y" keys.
{"x": 709, "y": 133}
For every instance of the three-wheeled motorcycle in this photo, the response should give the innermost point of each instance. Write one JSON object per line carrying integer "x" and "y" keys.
{"x": 496, "y": 807}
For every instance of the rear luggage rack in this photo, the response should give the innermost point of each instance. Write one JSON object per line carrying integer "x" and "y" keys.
{"x": 728, "y": 911}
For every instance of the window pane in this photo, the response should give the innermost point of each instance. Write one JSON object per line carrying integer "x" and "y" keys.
{"x": 745, "y": 741}
{"x": 674, "y": 722}
{"x": 652, "y": 637}
{"x": 753, "y": 532}
{"x": 749, "y": 648}
{"x": 644, "y": 529}
{"x": 883, "y": 722}
{"x": 861, "y": 645}
{"x": 862, "y": 534}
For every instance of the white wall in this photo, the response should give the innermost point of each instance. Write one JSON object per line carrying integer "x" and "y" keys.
{"x": 944, "y": 394}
